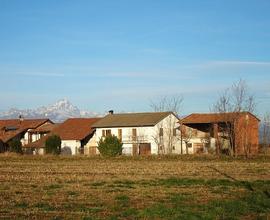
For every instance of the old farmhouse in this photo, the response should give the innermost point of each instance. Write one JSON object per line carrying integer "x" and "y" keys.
{"x": 231, "y": 133}
{"x": 142, "y": 133}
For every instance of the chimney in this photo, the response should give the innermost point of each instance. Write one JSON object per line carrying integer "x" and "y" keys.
{"x": 111, "y": 112}
{"x": 21, "y": 118}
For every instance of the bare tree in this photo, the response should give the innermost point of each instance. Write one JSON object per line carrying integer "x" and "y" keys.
{"x": 266, "y": 131}
{"x": 159, "y": 139}
{"x": 186, "y": 136}
{"x": 206, "y": 141}
{"x": 166, "y": 103}
{"x": 168, "y": 137}
{"x": 236, "y": 99}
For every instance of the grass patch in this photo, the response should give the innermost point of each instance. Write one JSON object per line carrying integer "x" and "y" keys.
{"x": 44, "y": 206}
{"x": 179, "y": 207}
{"x": 101, "y": 183}
{"x": 72, "y": 193}
{"x": 124, "y": 184}
{"x": 52, "y": 187}
{"x": 170, "y": 182}
{"x": 122, "y": 201}
{"x": 21, "y": 205}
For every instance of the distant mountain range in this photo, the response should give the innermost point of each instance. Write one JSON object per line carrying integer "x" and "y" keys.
{"x": 57, "y": 112}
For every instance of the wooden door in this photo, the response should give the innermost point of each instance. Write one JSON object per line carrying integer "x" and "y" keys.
{"x": 198, "y": 148}
{"x": 145, "y": 149}
{"x": 92, "y": 151}
{"x": 120, "y": 134}
{"x": 134, "y": 134}
{"x": 134, "y": 149}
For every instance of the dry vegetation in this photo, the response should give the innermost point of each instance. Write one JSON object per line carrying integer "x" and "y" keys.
{"x": 180, "y": 187}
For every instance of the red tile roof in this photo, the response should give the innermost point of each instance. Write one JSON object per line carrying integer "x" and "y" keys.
{"x": 10, "y": 128}
{"x": 75, "y": 128}
{"x": 71, "y": 129}
{"x": 197, "y": 118}
{"x": 45, "y": 128}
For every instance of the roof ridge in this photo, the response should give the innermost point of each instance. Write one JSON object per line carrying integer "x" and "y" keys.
{"x": 140, "y": 113}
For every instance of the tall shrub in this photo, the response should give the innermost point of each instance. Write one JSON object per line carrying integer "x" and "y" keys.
{"x": 53, "y": 145}
{"x": 110, "y": 146}
{"x": 15, "y": 146}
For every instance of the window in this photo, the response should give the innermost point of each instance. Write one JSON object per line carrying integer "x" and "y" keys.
{"x": 161, "y": 132}
{"x": 189, "y": 145}
{"x": 120, "y": 134}
{"x": 134, "y": 134}
{"x": 108, "y": 132}
{"x": 174, "y": 132}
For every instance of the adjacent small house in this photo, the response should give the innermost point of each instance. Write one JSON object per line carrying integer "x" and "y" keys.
{"x": 76, "y": 137}
{"x": 142, "y": 133}
{"x": 20, "y": 129}
{"x": 222, "y": 132}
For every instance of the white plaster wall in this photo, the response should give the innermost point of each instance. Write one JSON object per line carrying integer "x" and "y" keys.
{"x": 35, "y": 137}
{"x": 25, "y": 139}
{"x": 39, "y": 151}
{"x": 74, "y": 145}
{"x": 146, "y": 134}
{"x": 196, "y": 140}
{"x": 168, "y": 124}
{"x": 92, "y": 143}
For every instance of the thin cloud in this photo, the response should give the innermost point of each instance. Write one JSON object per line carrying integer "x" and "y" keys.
{"x": 36, "y": 74}
{"x": 240, "y": 63}
{"x": 232, "y": 63}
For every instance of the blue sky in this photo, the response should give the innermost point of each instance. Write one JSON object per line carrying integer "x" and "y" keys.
{"x": 121, "y": 54}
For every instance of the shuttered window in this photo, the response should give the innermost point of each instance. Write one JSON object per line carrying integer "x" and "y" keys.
{"x": 134, "y": 134}
{"x": 120, "y": 134}
{"x": 174, "y": 132}
{"x": 108, "y": 132}
{"x": 161, "y": 132}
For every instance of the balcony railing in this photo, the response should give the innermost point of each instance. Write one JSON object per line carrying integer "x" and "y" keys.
{"x": 135, "y": 139}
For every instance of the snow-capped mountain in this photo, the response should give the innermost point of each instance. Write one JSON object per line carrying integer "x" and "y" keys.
{"x": 57, "y": 112}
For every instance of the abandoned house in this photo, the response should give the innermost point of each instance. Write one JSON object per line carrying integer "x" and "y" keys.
{"x": 234, "y": 133}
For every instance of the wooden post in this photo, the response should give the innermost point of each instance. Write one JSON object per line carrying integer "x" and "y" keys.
{"x": 215, "y": 128}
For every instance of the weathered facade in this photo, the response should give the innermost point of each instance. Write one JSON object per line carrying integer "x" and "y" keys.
{"x": 142, "y": 133}
{"x": 235, "y": 132}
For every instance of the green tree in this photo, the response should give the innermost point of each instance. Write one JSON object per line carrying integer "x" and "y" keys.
{"x": 53, "y": 145}
{"x": 110, "y": 146}
{"x": 15, "y": 146}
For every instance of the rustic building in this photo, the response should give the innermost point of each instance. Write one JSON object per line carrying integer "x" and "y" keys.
{"x": 142, "y": 133}
{"x": 238, "y": 132}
